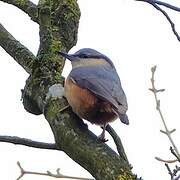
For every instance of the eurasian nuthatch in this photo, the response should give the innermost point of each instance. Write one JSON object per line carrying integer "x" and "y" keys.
{"x": 93, "y": 88}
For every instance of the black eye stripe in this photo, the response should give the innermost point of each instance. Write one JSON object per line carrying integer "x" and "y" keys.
{"x": 83, "y": 56}
{"x": 89, "y": 56}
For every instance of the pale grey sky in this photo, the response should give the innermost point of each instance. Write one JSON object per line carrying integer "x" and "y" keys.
{"x": 136, "y": 37}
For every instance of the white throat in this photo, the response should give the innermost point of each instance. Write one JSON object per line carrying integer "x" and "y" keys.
{"x": 88, "y": 62}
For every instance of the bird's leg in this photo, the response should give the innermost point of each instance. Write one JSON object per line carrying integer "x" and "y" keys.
{"x": 102, "y": 135}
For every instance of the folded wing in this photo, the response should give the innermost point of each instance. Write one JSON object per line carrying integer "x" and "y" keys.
{"x": 104, "y": 82}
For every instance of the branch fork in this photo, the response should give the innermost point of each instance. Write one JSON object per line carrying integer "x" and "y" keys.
{"x": 48, "y": 173}
{"x": 58, "y": 31}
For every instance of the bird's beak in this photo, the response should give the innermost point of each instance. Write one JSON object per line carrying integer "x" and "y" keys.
{"x": 67, "y": 56}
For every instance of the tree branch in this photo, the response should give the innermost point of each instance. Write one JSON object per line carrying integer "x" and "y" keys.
{"x": 15, "y": 49}
{"x": 162, "y": 4}
{"x": 117, "y": 141}
{"x": 166, "y": 161}
{"x": 169, "y": 170}
{"x": 58, "y": 31}
{"x": 28, "y": 142}
{"x": 154, "y": 4}
{"x": 155, "y": 91}
{"x": 27, "y": 6}
{"x": 175, "y": 154}
{"x": 48, "y": 173}
{"x": 82, "y": 145}
{"x": 167, "y": 5}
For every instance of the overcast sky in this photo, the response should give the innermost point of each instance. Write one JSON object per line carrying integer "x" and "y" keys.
{"x": 136, "y": 37}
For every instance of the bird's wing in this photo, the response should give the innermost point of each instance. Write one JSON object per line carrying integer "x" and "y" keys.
{"x": 104, "y": 82}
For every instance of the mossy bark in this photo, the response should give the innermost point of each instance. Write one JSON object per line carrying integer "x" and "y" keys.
{"x": 15, "y": 49}
{"x": 58, "y": 21}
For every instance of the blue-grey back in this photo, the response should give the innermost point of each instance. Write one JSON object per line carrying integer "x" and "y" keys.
{"x": 103, "y": 81}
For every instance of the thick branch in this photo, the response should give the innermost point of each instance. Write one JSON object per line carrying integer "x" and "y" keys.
{"x": 28, "y": 142}
{"x": 84, "y": 147}
{"x": 58, "y": 31}
{"x": 45, "y": 29}
{"x": 15, "y": 49}
{"x": 58, "y": 27}
{"x": 27, "y": 6}
{"x": 72, "y": 136}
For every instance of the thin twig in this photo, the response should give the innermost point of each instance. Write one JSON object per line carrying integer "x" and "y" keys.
{"x": 162, "y": 4}
{"x": 28, "y": 142}
{"x": 174, "y": 153}
{"x": 154, "y": 4}
{"x": 167, "y": 5}
{"x": 169, "y": 19}
{"x": 48, "y": 173}
{"x": 166, "y": 161}
{"x": 169, "y": 170}
{"x": 172, "y": 173}
{"x": 167, "y": 131}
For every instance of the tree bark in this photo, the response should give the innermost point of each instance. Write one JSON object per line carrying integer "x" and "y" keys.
{"x": 58, "y": 21}
{"x": 16, "y": 50}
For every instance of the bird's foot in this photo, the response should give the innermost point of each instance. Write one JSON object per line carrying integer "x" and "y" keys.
{"x": 102, "y": 138}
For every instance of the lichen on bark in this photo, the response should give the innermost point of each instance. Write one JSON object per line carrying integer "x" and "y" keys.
{"x": 58, "y": 23}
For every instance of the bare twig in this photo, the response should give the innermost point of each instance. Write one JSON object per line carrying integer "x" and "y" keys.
{"x": 170, "y": 131}
{"x": 167, "y": 5}
{"x": 162, "y": 4}
{"x": 15, "y": 49}
{"x": 155, "y": 5}
{"x": 27, "y": 6}
{"x": 28, "y": 142}
{"x": 48, "y": 173}
{"x": 169, "y": 170}
{"x": 166, "y": 161}
{"x": 174, "y": 153}
{"x": 167, "y": 131}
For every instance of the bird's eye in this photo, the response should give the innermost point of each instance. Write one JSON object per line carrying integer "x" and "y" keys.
{"x": 83, "y": 56}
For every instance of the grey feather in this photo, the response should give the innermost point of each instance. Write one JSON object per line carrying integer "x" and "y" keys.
{"x": 104, "y": 82}
{"x": 124, "y": 118}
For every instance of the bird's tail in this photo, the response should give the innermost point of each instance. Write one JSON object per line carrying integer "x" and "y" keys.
{"x": 124, "y": 118}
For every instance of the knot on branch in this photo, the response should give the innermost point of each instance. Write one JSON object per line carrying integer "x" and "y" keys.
{"x": 30, "y": 104}
{"x": 34, "y": 94}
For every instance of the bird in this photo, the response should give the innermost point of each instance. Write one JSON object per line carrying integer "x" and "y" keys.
{"x": 93, "y": 89}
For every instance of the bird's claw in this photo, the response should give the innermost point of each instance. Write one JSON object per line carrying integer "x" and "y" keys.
{"x": 102, "y": 138}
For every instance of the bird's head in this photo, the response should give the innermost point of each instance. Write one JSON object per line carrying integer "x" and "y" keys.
{"x": 87, "y": 56}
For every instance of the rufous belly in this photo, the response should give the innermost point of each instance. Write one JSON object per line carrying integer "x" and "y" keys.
{"x": 87, "y": 106}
